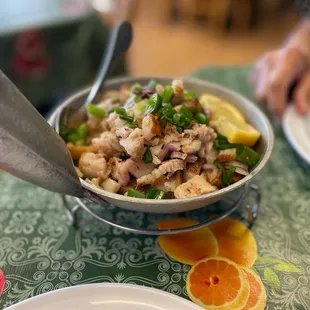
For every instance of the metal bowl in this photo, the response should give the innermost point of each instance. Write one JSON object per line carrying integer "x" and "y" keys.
{"x": 253, "y": 115}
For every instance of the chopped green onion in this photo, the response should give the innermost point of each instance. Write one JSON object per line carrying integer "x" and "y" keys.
{"x": 167, "y": 112}
{"x": 153, "y": 104}
{"x": 118, "y": 110}
{"x": 167, "y": 94}
{"x": 221, "y": 143}
{"x": 136, "y": 87}
{"x": 179, "y": 129}
{"x": 80, "y": 142}
{"x": 189, "y": 95}
{"x": 153, "y": 193}
{"x": 166, "y": 105}
{"x": 219, "y": 165}
{"x": 82, "y": 131}
{"x": 134, "y": 193}
{"x": 132, "y": 125}
{"x": 130, "y": 102}
{"x": 187, "y": 123}
{"x": 147, "y": 156}
{"x": 186, "y": 112}
{"x": 95, "y": 111}
{"x": 73, "y": 137}
{"x": 137, "y": 99}
{"x": 152, "y": 84}
{"x": 64, "y": 132}
{"x": 160, "y": 195}
{"x": 218, "y": 146}
{"x": 127, "y": 118}
{"x": 139, "y": 108}
{"x": 124, "y": 116}
{"x": 222, "y": 138}
{"x": 202, "y": 118}
{"x": 227, "y": 175}
{"x": 179, "y": 119}
{"x": 115, "y": 99}
{"x": 247, "y": 156}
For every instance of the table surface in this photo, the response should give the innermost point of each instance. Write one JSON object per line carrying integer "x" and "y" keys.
{"x": 40, "y": 251}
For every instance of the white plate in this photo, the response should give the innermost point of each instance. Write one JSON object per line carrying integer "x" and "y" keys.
{"x": 108, "y": 297}
{"x": 297, "y": 131}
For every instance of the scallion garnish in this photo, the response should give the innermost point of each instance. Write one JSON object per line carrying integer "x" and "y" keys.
{"x": 136, "y": 87}
{"x": 134, "y": 193}
{"x": 124, "y": 116}
{"x": 95, "y": 111}
{"x": 189, "y": 95}
{"x": 201, "y": 118}
{"x": 245, "y": 154}
{"x": 152, "y": 84}
{"x": 167, "y": 94}
{"x": 147, "y": 156}
{"x": 227, "y": 174}
{"x": 153, "y": 104}
{"x": 154, "y": 193}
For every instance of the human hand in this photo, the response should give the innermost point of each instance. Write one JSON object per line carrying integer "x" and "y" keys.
{"x": 278, "y": 71}
{"x": 275, "y": 73}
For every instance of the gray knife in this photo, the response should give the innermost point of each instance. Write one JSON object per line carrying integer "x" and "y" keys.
{"x": 30, "y": 148}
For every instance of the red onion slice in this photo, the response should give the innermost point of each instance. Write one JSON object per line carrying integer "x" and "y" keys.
{"x": 209, "y": 166}
{"x": 241, "y": 171}
{"x": 236, "y": 164}
{"x": 240, "y": 167}
{"x": 191, "y": 159}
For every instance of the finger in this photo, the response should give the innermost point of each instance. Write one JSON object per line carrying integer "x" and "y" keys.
{"x": 302, "y": 94}
{"x": 262, "y": 83}
{"x": 260, "y": 75}
{"x": 276, "y": 99}
{"x": 290, "y": 65}
{"x": 256, "y": 70}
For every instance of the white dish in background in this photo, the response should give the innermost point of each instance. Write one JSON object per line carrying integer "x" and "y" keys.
{"x": 106, "y": 296}
{"x": 297, "y": 130}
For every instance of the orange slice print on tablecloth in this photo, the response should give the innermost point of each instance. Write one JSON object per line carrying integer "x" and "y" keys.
{"x": 218, "y": 283}
{"x": 235, "y": 241}
{"x": 188, "y": 247}
{"x": 257, "y": 297}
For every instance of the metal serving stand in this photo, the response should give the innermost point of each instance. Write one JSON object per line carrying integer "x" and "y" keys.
{"x": 245, "y": 207}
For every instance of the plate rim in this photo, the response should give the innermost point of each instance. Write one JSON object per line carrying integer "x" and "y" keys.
{"x": 103, "y": 285}
{"x": 289, "y": 133}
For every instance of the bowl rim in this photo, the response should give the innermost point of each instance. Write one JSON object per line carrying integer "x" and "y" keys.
{"x": 219, "y": 193}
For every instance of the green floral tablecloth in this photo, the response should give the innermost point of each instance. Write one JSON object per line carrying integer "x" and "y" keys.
{"x": 40, "y": 251}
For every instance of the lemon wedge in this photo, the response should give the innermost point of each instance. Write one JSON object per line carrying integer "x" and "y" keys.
{"x": 220, "y": 108}
{"x": 236, "y": 132}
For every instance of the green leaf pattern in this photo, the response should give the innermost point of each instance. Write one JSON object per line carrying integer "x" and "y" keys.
{"x": 272, "y": 279}
{"x": 286, "y": 268}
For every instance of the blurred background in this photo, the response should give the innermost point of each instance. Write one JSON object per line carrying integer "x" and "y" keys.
{"x": 175, "y": 37}
{"x": 50, "y": 48}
